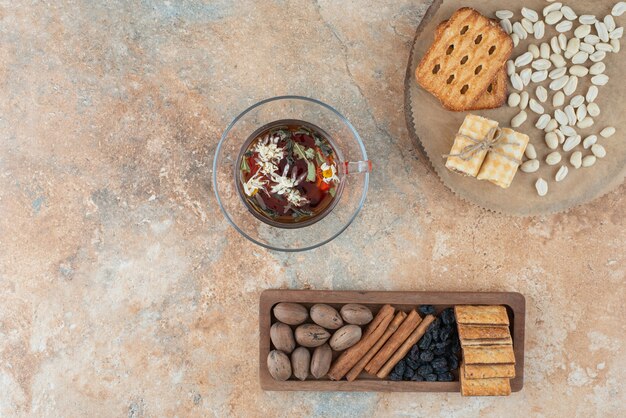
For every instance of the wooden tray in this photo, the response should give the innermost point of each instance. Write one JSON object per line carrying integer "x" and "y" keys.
{"x": 433, "y": 128}
{"x": 515, "y": 303}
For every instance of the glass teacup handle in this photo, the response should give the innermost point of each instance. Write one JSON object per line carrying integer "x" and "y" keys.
{"x": 352, "y": 167}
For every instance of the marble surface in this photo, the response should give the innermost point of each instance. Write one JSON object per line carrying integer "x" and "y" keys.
{"x": 123, "y": 291}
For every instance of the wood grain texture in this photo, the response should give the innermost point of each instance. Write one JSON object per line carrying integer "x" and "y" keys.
{"x": 516, "y": 309}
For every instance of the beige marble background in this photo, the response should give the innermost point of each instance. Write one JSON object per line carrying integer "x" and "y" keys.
{"x": 123, "y": 291}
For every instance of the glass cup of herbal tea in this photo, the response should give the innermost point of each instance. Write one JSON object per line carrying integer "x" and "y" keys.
{"x": 290, "y": 173}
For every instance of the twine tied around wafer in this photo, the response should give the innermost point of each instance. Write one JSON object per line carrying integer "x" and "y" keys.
{"x": 487, "y": 144}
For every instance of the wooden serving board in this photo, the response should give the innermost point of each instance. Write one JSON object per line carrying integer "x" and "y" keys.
{"x": 514, "y": 302}
{"x": 433, "y": 128}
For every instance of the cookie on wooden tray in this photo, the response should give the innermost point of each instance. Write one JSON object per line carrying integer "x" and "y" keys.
{"x": 489, "y": 354}
{"x": 498, "y": 386}
{"x": 496, "y": 93}
{"x": 487, "y": 371}
{"x": 481, "y": 314}
{"x": 479, "y": 332}
{"x": 464, "y": 59}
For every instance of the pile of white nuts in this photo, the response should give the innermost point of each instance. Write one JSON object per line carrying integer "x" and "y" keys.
{"x": 550, "y": 60}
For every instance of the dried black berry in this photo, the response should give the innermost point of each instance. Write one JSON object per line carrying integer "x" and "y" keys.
{"x": 425, "y": 341}
{"x": 445, "y": 332}
{"x": 400, "y": 368}
{"x": 434, "y": 325}
{"x": 440, "y": 367}
{"x": 439, "y": 362}
{"x": 424, "y": 370}
{"x": 445, "y": 377}
{"x": 431, "y": 378}
{"x": 447, "y": 316}
{"x": 435, "y": 355}
{"x": 426, "y": 309}
{"x": 410, "y": 363}
{"x": 439, "y": 351}
{"x": 453, "y": 362}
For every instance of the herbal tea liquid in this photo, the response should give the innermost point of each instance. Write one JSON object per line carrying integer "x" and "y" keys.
{"x": 288, "y": 174}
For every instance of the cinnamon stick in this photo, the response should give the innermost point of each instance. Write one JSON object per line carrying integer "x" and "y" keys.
{"x": 406, "y": 346}
{"x": 384, "y": 311}
{"x": 393, "y": 326}
{"x": 404, "y": 330}
{"x": 353, "y": 354}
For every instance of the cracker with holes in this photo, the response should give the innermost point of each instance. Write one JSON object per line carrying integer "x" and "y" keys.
{"x": 464, "y": 59}
{"x": 497, "y": 91}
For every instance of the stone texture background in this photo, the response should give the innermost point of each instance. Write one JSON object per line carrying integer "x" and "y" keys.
{"x": 123, "y": 291}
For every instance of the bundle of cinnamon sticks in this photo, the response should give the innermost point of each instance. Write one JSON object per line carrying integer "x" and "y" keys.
{"x": 388, "y": 338}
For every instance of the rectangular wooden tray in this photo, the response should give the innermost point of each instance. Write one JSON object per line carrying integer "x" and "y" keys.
{"x": 515, "y": 303}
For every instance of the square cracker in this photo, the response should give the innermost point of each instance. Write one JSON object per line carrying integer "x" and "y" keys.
{"x": 489, "y": 354}
{"x": 485, "y": 371}
{"x": 496, "y": 93}
{"x": 480, "y": 332}
{"x": 481, "y": 314}
{"x": 464, "y": 59}
{"x": 498, "y": 386}
{"x": 477, "y": 128}
{"x": 501, "y": 162}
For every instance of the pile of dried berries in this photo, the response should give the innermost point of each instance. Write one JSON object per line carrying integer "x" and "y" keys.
{"x": 435, "y": 356}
